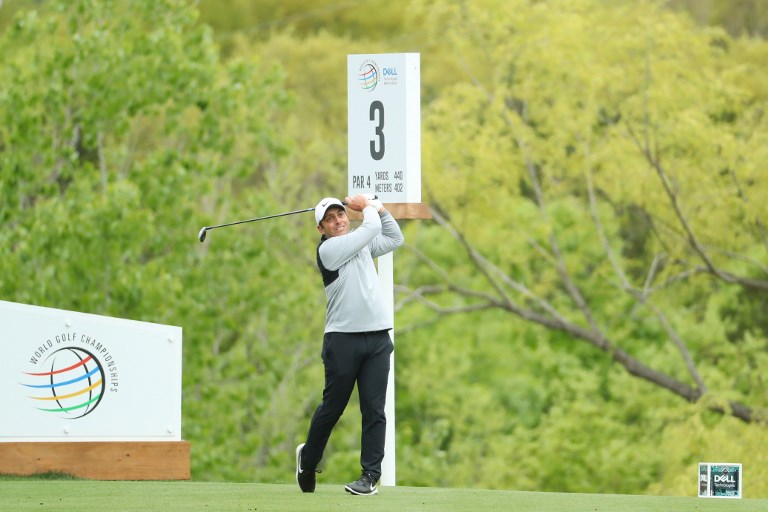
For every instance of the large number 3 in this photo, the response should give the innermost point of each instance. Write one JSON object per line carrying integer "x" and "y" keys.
{"x": 377, "y": 105}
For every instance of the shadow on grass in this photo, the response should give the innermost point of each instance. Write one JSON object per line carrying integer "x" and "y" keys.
{"x": 49, "y": 475}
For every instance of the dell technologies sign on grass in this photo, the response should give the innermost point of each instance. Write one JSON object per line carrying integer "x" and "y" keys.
{"x": 720, "y": 480}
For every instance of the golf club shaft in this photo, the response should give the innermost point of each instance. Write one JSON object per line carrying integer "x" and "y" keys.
{"x": 260, "y": 218}
{"x": 204, "y": 230}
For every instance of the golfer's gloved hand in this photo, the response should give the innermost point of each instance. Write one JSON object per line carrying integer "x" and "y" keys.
{"x": 374, "y": 202}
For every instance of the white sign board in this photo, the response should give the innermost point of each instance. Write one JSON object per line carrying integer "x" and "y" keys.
{"x": 384, "y": 124}
{"x": 69, "y": 376}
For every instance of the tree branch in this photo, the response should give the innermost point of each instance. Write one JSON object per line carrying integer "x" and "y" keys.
{"x": 693, "y": 241}
{"x": 570, "y": 286}
{"x": 642, "y": 297}
{"x": 743, "y": 196}
{"x": 471, "y": 252}
{"x": 632, "y": 365}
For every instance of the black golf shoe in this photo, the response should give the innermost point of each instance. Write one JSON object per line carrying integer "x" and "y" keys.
{"x": 364, "y": 486}
{"x": 305, "y": 477}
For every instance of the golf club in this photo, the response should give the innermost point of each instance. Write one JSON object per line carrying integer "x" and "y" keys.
{"x": 201, "y": 235}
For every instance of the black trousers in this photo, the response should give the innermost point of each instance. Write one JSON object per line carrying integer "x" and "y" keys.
{"x": 350, "y": 358}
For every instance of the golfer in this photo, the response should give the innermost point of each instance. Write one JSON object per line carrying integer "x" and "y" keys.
{"x": 356, "y": 344}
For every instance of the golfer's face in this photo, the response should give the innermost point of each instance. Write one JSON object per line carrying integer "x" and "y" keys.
{"x": 335, "y": 222}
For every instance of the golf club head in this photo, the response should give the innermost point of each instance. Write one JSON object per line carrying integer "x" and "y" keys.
{"x": 201, "y": 235}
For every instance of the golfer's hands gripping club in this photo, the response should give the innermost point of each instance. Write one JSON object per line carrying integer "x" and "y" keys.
{"x": 360, "y": 201}
{"x": 374, "y": 201}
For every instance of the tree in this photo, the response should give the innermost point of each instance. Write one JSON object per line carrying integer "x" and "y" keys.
{"x": 122, "y": 134}
{"x": 620, "y": 174}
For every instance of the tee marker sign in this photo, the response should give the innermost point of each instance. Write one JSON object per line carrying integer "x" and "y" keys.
{"x": 384, "y": 126}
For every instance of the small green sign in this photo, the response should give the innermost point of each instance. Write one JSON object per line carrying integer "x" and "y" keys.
{"x": 719, "y": 480}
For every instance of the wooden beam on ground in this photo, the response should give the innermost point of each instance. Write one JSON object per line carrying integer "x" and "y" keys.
{"x": 160, "y": 460}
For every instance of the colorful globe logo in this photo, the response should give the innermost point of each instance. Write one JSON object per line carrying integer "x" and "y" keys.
{"x": 74, "y": 385}
{"x": 368, "y": 77}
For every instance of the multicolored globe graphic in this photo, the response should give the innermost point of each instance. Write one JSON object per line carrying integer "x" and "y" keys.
{"x": 72, "y": 383}
{"x": 369, "y": 77}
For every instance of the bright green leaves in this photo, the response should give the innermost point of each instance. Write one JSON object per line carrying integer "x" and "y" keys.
{"x": 122, "y": 134}
{"x": 602, "y": 157}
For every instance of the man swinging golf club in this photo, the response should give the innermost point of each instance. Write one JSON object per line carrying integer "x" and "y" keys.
{"x": 356, "y": 344}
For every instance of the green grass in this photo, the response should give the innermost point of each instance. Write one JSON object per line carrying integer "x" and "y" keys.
{"x": 20, "y": 494}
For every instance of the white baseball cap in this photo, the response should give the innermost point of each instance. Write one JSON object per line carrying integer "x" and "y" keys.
{"x": 323, "y": 206}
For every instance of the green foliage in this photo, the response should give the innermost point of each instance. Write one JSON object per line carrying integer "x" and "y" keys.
{"x": 558, "y": 104}
{"x": 122, "y": 135}
{"x": 259, "y": 21}
{"x": 702, "y": 438}
{"x": 508, "y": 410}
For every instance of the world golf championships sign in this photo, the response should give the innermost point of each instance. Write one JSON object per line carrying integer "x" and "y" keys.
{"x": 68, "y": 376}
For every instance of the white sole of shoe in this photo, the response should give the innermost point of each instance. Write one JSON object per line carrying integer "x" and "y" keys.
{"x": 352, "y": 491}
{"x": 298, "y": 460}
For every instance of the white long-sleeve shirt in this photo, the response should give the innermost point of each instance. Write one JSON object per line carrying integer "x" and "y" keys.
{"x": 355, "y": 299}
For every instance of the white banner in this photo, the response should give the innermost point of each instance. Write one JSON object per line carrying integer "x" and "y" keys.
{"x": 69, "y": 376}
